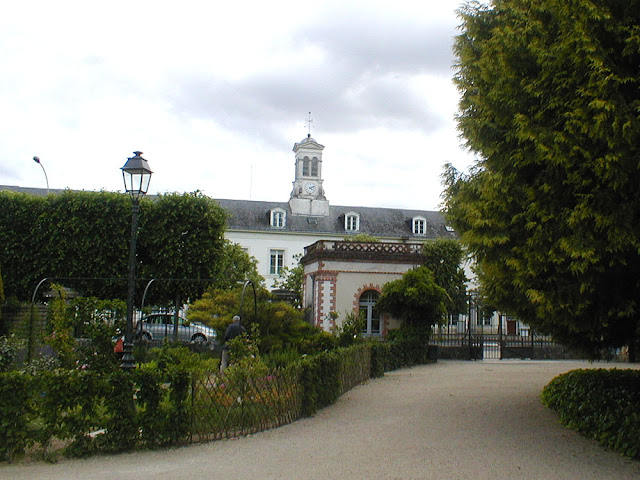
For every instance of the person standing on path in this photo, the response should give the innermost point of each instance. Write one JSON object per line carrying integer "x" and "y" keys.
{"x": 233, "y": 330}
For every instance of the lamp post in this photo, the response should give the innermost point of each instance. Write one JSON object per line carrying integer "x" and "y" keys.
{"x": 136, "y": 175}
{"x": 37, "y": 160}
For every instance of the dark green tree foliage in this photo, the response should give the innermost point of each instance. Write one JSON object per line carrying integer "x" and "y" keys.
{"x": 19, "y": 247}
{"x": 181, "y": 237}
{"x": 550, "y": 101}
{"x": 84, "y": 234}
{"x": 292, "y": 279}
{"x": 416, "y": 298}
{"x": 87, "y": 235}
{"x": 1, "y": 288}
{"x": 444, "y": 258}
{"x": 236, "y": 267}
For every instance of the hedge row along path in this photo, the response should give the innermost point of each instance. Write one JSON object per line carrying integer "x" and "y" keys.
{"x": 453, "y": 420}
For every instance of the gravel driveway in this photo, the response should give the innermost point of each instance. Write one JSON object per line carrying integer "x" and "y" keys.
{"x": 450, "y": 420}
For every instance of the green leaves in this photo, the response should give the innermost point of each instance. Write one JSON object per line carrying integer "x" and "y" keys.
{"x": 549, "y": 102}
{"x": 601, "y": 404}
{"x": 87, "y": 235}
{"x": 416, "y": 298}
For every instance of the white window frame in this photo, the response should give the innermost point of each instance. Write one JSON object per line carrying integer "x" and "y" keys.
{"x": 278, "y": 218}
{"x": 352, "y": 222}
{"x": 367, "y": 304}
{"x": 419, "y": 226}
{"x": 276, "y": 261}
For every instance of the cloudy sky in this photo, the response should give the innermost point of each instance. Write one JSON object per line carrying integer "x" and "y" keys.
{"x": 216, "y": 93}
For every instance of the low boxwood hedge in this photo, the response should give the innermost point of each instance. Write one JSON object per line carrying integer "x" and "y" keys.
{"x": 155, "y": 405}
{"x": 600, "y": 403}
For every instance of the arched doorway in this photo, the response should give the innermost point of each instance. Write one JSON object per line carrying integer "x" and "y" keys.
{"x": 371, "y": 315}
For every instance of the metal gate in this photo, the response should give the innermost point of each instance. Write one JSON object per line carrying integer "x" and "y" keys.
{"x": 497, "y": 346}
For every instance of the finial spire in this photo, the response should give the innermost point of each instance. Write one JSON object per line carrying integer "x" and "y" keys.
{"x": 309, "y": 122}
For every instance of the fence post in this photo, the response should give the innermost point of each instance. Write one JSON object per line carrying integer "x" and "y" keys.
{"x": 193, "y": 404}
{"x": 533, "y": 345}
{"x": 469, "y": 328}
{"x": 30, "y": 340}
{"x": 500, "y": 340}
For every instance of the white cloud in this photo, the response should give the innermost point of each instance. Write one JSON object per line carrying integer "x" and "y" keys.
{"x": 215, "y": 95}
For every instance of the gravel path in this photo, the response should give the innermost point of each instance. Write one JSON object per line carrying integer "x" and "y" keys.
{"x": 450, "y": 420}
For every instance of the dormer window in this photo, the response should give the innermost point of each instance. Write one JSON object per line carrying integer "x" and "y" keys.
{"x": 352, "y": 222}
{"x": 419, "y": 226}
{"x": 278, "y": 218}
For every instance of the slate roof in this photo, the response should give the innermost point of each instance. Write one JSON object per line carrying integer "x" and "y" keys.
{"x": 378, "y": 222}
{"x": 253, "y": 215}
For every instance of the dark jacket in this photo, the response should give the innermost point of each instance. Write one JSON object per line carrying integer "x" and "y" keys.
{"x": 232, "y": 332}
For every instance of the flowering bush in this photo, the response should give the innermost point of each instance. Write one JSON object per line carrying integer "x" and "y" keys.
{"x": 9, "y": 346}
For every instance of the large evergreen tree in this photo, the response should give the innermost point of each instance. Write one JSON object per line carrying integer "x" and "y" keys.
{"x": 550, "y": 104}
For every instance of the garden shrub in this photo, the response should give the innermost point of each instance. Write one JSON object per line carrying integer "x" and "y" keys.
{"x": 178, "y": 396}
{"x": 149, "y": 397}
{"x": 16, "y": 412}
{"x": 177, "y": 416}
{"x": 9, "y": 346}
{"x": 282, "y": 358}
{"x": 380, "y": 358}
{"x": 60, "y": 337}
{"x": 601, "y": 404}
{"x": 355, "y": 365}
{"x": 350, "y": 331}
{"x": 67, "y": 403}
{"x": 409, "y": 346}
{"x": 320, "y": 381}
{"x": 43, "y": 363}
{"x": 327, "y": 375}
{"x": 121, "y": 431}
{"x": 97, "y": 322}
{"x": 161, "y": 407}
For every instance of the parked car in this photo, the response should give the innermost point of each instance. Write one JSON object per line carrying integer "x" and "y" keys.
{"x": 159, "y": 326}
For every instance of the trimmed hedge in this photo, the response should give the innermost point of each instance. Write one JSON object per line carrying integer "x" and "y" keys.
{"x": 15, "y": 414}
{"x": 154, "y": 405}
{"x": 601, "y": 404}
{"x": 398, "y": 353}
{"x": 326, "y": 376}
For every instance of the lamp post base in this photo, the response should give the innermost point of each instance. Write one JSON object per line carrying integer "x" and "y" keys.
{"x": 128, "y": 362}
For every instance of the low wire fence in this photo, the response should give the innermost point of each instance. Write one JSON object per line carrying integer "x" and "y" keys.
{"x": 223, "y": 409}
{"x": 86, "y": 412}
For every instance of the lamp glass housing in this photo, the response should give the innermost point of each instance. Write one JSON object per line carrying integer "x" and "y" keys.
{"x": 136, "y": 175}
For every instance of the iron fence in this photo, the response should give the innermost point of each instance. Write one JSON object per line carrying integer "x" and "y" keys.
{"x": 479, "y": 346}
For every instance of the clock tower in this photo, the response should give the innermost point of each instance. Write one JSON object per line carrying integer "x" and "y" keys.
{"x": 307, "y": 196}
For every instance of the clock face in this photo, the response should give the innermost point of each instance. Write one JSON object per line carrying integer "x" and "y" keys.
{"x": 310, "y": 187}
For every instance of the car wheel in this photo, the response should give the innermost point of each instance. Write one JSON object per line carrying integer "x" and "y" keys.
{"x": 145, "y": 337}
{"x": 199, "y": 339}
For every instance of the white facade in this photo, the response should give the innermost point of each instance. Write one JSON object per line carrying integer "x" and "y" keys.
{"x": 260, "y": 245}
{"x": 342, "y": 278}
{"x": 276, "y": 233}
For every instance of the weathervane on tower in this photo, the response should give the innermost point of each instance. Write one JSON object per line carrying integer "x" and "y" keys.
{"x": 309, "y": 121}
{"x": 308, "y": 197}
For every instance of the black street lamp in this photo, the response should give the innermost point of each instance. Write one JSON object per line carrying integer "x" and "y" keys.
{"x": 37, "y": 160}
{"x": 136, "y": 175}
